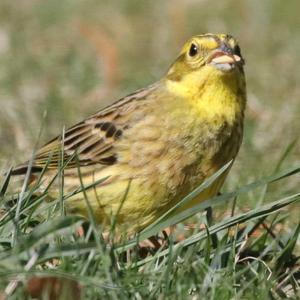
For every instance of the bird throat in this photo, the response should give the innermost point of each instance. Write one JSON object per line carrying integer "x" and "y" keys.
{"x": 212, "y": 93}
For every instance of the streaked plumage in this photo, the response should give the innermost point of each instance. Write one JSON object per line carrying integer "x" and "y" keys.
{"x": 160, "y": 142}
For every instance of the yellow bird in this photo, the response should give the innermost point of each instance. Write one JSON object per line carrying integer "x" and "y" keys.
{"x": 156, "y": 145}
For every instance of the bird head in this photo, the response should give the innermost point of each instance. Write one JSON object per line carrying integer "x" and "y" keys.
{"x": 218, "y": 54}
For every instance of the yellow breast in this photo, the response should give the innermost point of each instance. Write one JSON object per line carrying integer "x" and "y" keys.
{"x": 184, "y": 137}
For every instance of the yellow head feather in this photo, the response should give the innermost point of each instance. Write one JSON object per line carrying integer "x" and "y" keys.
{"x": 209, "y": 74}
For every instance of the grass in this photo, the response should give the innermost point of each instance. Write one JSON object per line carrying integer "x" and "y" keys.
{"x": 70, "y": 58}
{"x": 43, "y": 254}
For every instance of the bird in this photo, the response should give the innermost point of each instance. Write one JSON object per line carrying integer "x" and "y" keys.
{"x": 139, "y": 156}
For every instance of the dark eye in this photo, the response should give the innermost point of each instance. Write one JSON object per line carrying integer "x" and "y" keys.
{"x": 237, "y": 50}
{"x": 193, "y": 50}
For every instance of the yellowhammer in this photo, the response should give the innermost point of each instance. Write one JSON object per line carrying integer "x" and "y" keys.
{"x": 157, "y": 144}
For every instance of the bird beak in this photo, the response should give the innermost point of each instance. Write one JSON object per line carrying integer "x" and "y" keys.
{"x": 224, "y": 60}
{"x": 222, "y": 57}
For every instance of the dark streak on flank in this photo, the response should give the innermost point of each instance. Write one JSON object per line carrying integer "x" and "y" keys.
{"x": 104, "y": 125}
{"x": 109, "y": 160}
{"x": 118, "y": 133}
{"x": 110, "y": 129}
{"x": 70, "y": 141}
{"x": 89, "y": 148}
{"x": 74, "y": 129}
{"x": 76, "y": 145}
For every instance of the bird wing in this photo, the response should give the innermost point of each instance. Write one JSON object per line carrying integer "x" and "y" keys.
{"x": 90, "y": 141}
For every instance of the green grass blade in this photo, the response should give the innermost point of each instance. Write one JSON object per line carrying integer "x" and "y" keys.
{"x": 5, "y": 183}
{"x": 241, "y": 218}
{"x": 217, "y": 200}
{"x": 190, "y": 196}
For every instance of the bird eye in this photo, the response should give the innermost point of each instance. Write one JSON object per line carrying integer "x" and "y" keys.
{"x": 193, "y": 50}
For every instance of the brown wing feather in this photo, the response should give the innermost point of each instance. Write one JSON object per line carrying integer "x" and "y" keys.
{"x": 92, "y": 140}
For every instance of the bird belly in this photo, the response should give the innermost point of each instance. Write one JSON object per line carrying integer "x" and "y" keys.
{"x": 155, "y": 171}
